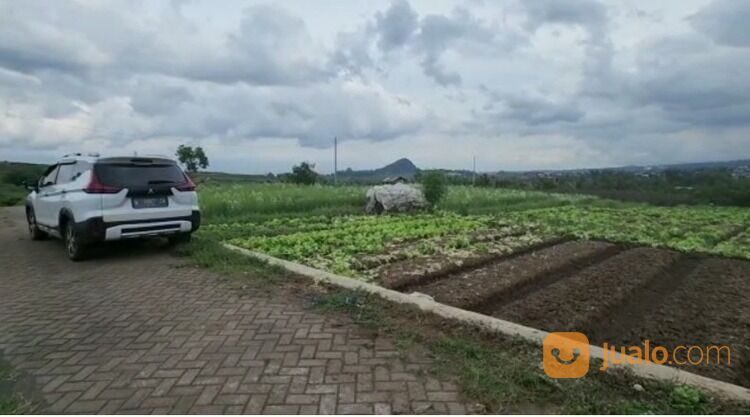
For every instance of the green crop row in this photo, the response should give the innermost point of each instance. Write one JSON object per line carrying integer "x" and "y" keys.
{"x": 335, "y": 247}
{"x": 690, "y": 229}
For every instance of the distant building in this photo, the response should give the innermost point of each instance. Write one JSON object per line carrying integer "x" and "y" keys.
{"x": 395, "y": 180}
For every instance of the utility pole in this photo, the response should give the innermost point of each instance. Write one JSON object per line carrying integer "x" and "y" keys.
{"x": 335, "y": 160}
{"x": 474, "y": 172}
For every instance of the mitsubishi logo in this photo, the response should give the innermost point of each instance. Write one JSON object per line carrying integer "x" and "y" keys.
{"x": 150, "y": 190}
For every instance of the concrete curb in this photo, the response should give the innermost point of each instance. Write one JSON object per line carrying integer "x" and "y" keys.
{"x": 426, "y": 303}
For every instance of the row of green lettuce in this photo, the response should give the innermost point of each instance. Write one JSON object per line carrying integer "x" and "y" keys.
{"x": 333, "y": 242}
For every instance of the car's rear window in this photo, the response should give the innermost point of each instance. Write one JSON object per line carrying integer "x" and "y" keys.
{"x": 138, "y": 175}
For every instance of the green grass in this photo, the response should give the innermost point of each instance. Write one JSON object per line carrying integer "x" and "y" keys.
{"x": 206, "y": 251}
{"x": 503, "y": 374}
{"x": 11, "y": 402}
{"x": 10, "y": 195}
{"x": 14, "y": 404}
{"x": 12, "y": 175}
{"x": 242, "y": 202}
{"x": 477, "y": 200}
{"x": 253, "y": 202}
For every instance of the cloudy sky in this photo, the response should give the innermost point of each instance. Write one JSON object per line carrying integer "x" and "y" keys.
{"x": 531, "y": 84}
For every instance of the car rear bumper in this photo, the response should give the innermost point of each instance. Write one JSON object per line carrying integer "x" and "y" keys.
{"x": 97, "y": 230}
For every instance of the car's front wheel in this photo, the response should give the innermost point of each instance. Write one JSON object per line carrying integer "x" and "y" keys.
{"x": 73, "y": 245}
{"x": 34, "y": 231}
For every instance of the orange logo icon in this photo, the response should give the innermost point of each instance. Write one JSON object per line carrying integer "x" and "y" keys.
{"x": 566, "y": 355}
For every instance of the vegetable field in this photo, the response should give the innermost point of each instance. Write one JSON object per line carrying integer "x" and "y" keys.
{"x": 621, "y": 273}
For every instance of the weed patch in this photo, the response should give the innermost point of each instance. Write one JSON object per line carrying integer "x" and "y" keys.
{"x": 503, "y": 374}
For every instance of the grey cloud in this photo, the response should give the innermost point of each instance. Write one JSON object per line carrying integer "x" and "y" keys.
{"x": 462, "y": 33}
{"x": 434, "y": 69}
{"x": 600, "y": 76}
{"x": 396, "y": 25}
{"x": 266, "y": 78}
{"x": 270, "y": 47}
{"x": 526, "y": 113}
{"x": 351, "y": 53}
{"x": 539, "y": 112}
{"x": 28, "y": 44}
{"x": 589, "y": 14}
{"x": 694, "y": 82}
{"x": 147, "y": 99}
{"x": 725, "y": 21}
{"x": 429, "y": 37}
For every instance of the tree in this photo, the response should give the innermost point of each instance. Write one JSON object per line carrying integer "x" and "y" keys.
{"x": 433, "y": 186}
{"x": 304, "y": 173}
{"x": 484, "y": 181}
{"x": 192, "y": 158}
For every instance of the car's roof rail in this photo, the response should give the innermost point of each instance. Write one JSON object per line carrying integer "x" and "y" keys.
{"x": 80, "y": 155}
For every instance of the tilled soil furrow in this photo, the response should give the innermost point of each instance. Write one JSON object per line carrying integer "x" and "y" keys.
{"x": 629, "y": 314}
{"x": 545, "y": 279}
{"x": 479, "y": 286}
{"x": 709, "y": 308}
{"x": 573, "y": 303}
{"x": 419, "y": 273}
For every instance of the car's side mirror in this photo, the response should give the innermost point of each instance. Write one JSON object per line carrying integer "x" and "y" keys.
{"x": 30, "y": 187}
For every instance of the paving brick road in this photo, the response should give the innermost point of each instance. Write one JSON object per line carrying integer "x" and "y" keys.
{"x": 136, "y": 330}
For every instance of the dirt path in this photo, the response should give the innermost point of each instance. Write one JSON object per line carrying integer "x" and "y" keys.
{"x": 136, "y": 330}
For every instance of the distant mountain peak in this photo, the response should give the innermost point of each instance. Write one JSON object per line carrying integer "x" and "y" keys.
{"x": 402, "y": 166}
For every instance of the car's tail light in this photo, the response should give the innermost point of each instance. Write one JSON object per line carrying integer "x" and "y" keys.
{"x": 96, "y": 187}
{"x": 187, "y": 185}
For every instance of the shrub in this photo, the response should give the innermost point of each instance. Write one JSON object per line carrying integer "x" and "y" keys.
{"x": 304, "y": 174}
{"x": 433, "y": 186}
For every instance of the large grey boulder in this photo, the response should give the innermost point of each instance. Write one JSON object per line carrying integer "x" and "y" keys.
{"x": 394, "y": 198}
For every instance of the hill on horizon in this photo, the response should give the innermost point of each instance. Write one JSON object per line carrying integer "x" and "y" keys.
{"x": 403, "y": 167}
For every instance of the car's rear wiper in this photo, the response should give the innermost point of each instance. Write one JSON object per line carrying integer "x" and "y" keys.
{"x": 161, "y": 182}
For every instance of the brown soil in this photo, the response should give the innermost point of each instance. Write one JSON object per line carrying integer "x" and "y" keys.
{"x": 588, "y": 296}
{"x": 710, "y": 306}
{"x": 478, "y": 286}
{"x": 411, "y": 273}
{"x": 612, "y": 293}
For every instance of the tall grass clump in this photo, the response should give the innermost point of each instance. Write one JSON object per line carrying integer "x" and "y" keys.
{"x": 433, "y": 186}
{"x": 481, "y": 200}
{"x": 250, "y": 202}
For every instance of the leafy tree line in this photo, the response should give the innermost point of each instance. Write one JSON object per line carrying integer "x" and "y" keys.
{"x": 669, "y": 187}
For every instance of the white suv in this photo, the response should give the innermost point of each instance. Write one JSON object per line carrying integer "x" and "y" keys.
{"x": 88, "y": 199}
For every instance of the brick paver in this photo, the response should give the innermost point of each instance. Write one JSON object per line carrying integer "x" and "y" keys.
{"x": 139, "y": 331}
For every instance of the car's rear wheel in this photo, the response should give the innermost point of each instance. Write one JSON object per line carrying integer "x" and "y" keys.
{"x": 179, "y": 238}
{"x": 34, "y": 231}
{"x": 73, "y": 245}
